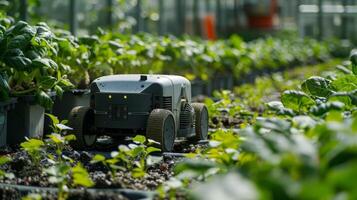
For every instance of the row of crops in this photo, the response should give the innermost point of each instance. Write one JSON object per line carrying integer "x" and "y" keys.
{"x": 296, "y": 140}
{"x": 36, "y": 59}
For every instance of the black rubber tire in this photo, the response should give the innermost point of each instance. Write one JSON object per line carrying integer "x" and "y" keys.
{"x": 161, "y": 128}
{"x": 81, "y": 119}
{"x": 201, "y": 121}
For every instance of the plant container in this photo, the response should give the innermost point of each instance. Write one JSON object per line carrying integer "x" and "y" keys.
{"x": 197, "y": 88}
{"x": 5, "y": 107}
{"x": 25, "y": 120}
{"x": 70, "y": 99}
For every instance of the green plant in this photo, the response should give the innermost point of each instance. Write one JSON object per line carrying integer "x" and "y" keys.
{"x": 134, "y": 157}
{"x": 61, "y": 174}
{"x": 3, "y": 161}
{"x": 57, "y": 139}
{"x": 26, "y": 66}
{"x": 35, "y": 149}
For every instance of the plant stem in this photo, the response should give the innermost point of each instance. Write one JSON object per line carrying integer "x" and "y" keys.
{"x": 23, "y": 92}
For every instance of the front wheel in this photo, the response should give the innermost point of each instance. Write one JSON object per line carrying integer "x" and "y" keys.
{"x": 161, "y": 128}
{"x": 201, "y": 121}
{"x": 81, "y": 119}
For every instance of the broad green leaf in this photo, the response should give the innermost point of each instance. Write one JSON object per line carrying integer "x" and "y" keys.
{"x": 317, "y": 86}
{"x": 138, "y": 172}
{"x": 296, "y": 100}
{"x": 70, "y": 137}
{"x": 43, "y": 99}
{"x": 88, "y": 40}
{"x": 32, "y": 144}
{"x": 279, "y": 108}
{"x": 140, "y": 139}
{"x": 152, "y": 149}
{"x": 326, "y": 107}
{"x": 19, "y": 41}
{"x": 4, "y": 160}
{"x": 44, "y": 63}
{"x": 56, "y": 138}
{"x": 345, "y": 83}
{"x": 81, "y": 176}
{"x": 18, "y": 62}
{"x": 98, "y": 158}
{"x": 53, "y": 118}
{"x": 58, "y": 90}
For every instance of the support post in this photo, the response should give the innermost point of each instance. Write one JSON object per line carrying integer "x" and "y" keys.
{"x": 218, "y": 17}
{"x": 320, "y": 20}
{"x": 73, "y": 16}
{"x": 23, "y": 10}
{"x": 109, "y": 13}
{"x": 161, "y": 23}
{"x": 138, "y": 18}
{"x": 344, "y": 33}
{"x": 196, "y": 18}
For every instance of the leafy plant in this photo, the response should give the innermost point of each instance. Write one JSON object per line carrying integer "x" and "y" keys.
{"x": 35, "y": 149}
{"x": 27, "y": 68}
{"x": 134, "y": 157}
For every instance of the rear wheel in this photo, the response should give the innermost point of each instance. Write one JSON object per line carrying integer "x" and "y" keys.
{"x": 81, "y": 119}
{"x": 201, "y": 121}
{"x": 161, "y": 128}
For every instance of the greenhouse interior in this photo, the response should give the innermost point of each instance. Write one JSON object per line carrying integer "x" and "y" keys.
{"x": 178, "y": 99}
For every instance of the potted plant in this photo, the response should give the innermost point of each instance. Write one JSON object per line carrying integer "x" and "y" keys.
{"x": 30, "y": 75}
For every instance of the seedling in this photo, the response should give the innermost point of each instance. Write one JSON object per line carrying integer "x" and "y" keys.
{"x": 35, "y": 149}
{"x": 134, "y": 157}
{"x": 3, "y": 161}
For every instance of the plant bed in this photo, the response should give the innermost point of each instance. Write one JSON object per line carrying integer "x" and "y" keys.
{"x": 4, "y": 109}
{"x": 17, "y": 191}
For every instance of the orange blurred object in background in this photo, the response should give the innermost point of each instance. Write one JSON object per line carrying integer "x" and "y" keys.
{"x": 209, "y": 27}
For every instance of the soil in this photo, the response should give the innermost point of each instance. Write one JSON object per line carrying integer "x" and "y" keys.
{"x": 29, "y": 175}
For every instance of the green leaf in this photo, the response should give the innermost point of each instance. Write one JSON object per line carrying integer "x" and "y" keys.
{"x": 53, "y": 118}
{"x": 81, "y": 176}
{"x": 138, "y": 172}
{"x": 19, "y": 41}
{"x": 152, "y": 149}
{"x": 43, "y": 99}
{"x": 326, "y": 107}
{"x": 317, "y": 86}
{"x": 98, "y": 158}
{"x": 4, "y": 160}
{"x": 58, "y": 90}
{"x": 18, "y": 62}
{"x": 65, "y": 83}
{"x": 70, "y": 137}
{"x": 56, "y": 138}
{"x": 345, "y": 83}
{"x": 44, "y": 63}
{"x": 32, "y": 144}
{"x": 279, "y": 108}
{"x": 88, "y": 40}
{"x": 296, "y": 100}
{"x": 139, "y": 139}
{"x": 47, "y": 82}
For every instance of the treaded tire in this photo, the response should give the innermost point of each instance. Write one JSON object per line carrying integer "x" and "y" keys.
{"x": 201, "y": 121}
{"x": 161, "y": 128}
{"x": 81, "y": 119}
